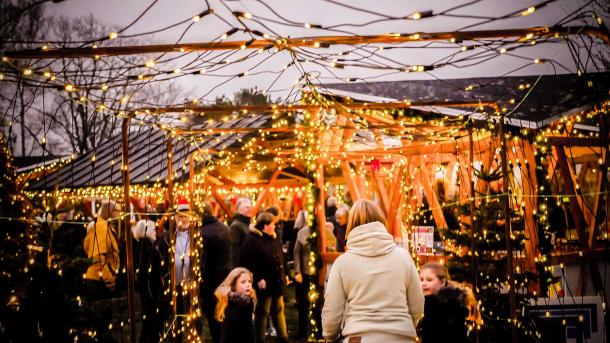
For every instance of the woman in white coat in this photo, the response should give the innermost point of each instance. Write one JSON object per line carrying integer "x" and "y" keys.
{"x": 374, "y": 292}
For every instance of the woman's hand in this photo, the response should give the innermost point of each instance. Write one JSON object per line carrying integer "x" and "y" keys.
{"x": 298, "y": 278}
{"x": 262, "y": 284}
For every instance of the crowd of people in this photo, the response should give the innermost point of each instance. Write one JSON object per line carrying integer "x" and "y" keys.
{"x": 374, "y": 291}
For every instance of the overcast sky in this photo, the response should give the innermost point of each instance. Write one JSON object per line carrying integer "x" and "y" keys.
{"x": 120, "y": 13}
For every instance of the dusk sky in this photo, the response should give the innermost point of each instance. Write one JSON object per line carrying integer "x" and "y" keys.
{"x": 119, "y": 13}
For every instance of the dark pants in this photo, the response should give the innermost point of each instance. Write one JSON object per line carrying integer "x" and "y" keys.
{"x": 302, "y": 296}
{"x": 99, "y": 308}
{"x": 155, "y": 312}
{"x": 270, "y": 307}
{"x": 209, "y": 309}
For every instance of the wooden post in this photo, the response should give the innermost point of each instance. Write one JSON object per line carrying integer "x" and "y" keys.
{"x": 263, "y": 194}
{"x": 349, "y": 179}
{"x": 473, "y": 217}
{"x": 508, "y": 234}
{"x": 486, "y": 162}
{"x": 381, "y": 190}
{"x": 221, "y": 203}
{"x": 172, "y": 223}
{"x": 435, "y": 206}
{"x": 396, "y": 197}
{"x": 128, "y": 238}
{"x": 191, "y": 181}
{"x": 321, "y": 219}
{"x": 529, "y": 183}
{"x": 600, "y": 185}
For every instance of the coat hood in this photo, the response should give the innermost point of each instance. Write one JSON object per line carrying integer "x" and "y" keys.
{"x": 370, "y": 239}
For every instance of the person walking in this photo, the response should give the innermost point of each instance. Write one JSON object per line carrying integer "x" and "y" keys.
{"x": 215, "y": 264}
{"x": 262, "y": 253}
{"x": 374, "y": 292}
{"x": 448, "y": 307}
{"x": 235, "y": 304}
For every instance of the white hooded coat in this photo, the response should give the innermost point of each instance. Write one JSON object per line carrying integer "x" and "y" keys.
{"x": 373, "y": 287}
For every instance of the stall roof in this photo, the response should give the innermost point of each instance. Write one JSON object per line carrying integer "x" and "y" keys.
{"x": 544, "y": 96}
{"x": 147, "y": 157}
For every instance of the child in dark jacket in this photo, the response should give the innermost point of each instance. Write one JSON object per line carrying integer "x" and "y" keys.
{"x": 449, "y": 307}
{"x": 235, "y": 306}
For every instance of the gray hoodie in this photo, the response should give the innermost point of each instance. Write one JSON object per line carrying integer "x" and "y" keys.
{"x": 373, "y": 287}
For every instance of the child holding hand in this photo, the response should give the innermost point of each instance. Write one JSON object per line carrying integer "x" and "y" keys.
{"x": 236, "y": 299}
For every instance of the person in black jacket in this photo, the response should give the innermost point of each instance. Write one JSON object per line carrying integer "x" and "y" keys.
{"x": 149, "y": 264}
{"x": 447, "y": 308}
{"x": 215, "y": 264}
{"x": 240, "y": 225}
{"x": 236, "y": 300}
{"x": 262, "y": 253}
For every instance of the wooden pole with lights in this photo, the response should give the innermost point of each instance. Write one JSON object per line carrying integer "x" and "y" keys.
{"x": 127, "y": 227}
{"x": 172, "y": 223}
{"x": 508, "y": 234}
{"x": 312, "y": 42}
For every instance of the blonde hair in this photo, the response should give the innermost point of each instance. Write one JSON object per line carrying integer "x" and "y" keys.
{"x": 362, "y": 212}
{"x": 228, "y": 285}
{"x": 441, "y": 272}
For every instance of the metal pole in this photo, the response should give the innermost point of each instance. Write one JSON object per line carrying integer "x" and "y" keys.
{"x": 507, "y": 226}
{"x": 129, "y": 248}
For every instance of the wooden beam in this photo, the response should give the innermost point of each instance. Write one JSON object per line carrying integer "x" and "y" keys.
{"x": 435, "y": 206}
{"x": 261, "y": 196}
{"x": 321, "y": 220}
{"x": 396, "y": 199}
{"x": 577, "y": 141}
{"x": 349, "y": 179}
{"x": 447, "y": 184}
{"x": 274, "y": 108}
{"x": 310, "y": 42}
{"x": 600, "y": 185}
{"x": 486, "y": 162}
{"x": 570, "y": 188}
{"x": 127, "y": 231}
{"x": 221, "y": 203}
{"x": 290, "y": 183}
{"x": 381, "y": 190}
{"x": 529, "y": 183}
{"x": 589, "y": 217}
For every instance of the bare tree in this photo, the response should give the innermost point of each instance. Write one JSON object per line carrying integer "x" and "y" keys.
{"x": 77, "y": 108}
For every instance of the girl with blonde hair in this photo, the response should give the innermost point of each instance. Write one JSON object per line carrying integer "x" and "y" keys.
{"x": 236, "y": 300}
{"x": 450, "y": 306}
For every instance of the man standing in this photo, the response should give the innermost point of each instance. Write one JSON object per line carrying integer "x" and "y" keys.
{"x": 182, "y": 262}
{"x": 183, "y": 242}
{"x": 240, "y": 225}
{"x": 215, "y": 264}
